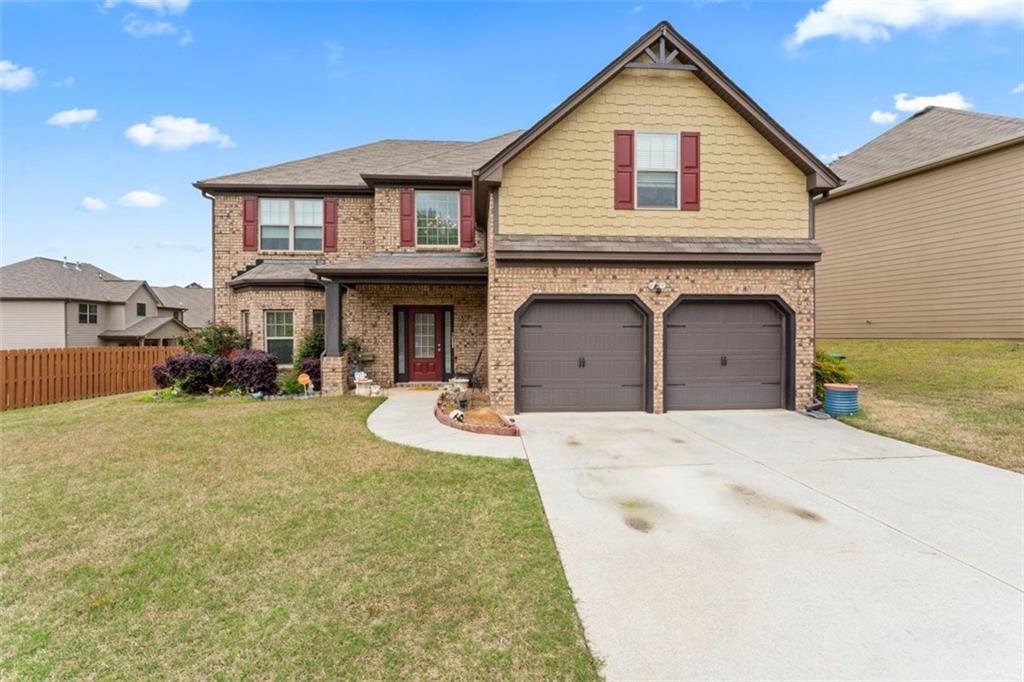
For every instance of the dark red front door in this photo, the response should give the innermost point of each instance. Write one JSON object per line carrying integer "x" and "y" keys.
{"x": 425, "y": 337}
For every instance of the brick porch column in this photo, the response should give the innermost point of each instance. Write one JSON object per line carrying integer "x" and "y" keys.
{"x": 334, "y": 367}
{"x": 334, "y": 371}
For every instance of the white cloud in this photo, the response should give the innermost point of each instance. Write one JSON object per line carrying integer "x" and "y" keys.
{"x": 72, "y": 117}
{"x": 173, "y": 132}
{"x": 952, "y": 100}
{"x": 146, "y": 28}
{"x": 829, "y": 158}
{"x": 1018, "y": 89}
{"x": 882, "y": 117}
{"x": 93, "y": 205}
{"x": 184, "y": 246}
{"x": 868, "y": 20}
{"x": 637, "y": 9}
{"x": 14, "y": 77}
{"x": 158, "y": 6}
{"x": 142, "y": 199}
{"x": 64, "y": 82}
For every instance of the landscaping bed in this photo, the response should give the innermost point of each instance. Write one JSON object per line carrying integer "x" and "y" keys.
{"x": 235, "y": 538}
{"x": 477, "y": 415}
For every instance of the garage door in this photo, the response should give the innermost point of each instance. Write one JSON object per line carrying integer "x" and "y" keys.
{"x": 581, "y": 356}
{"x": 723, "y": 356}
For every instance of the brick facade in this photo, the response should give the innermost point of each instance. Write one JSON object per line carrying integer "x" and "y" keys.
{"x": 302, "y": 303}
{"x": 511, "y": 285}
{"x": 369, "y": 316}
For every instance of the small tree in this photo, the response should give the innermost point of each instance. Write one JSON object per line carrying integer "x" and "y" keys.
{"x": 215, "y": 340}
{"x": 829, "y": 370}
{"x": 311, "y": 346}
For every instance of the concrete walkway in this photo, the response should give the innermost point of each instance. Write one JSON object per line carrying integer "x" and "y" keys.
{"x": 407, "y": 417}
{"x": 763, "y": 545}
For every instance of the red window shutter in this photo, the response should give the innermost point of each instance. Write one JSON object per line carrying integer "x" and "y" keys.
{"x": 249, "y": 219}
{"x": 407, "y": 217}
{"x": 689, "y": 171}
{"x": 467, "y": 235}
{"x": 624, "y": 169}
{"x": 330, "y": 224}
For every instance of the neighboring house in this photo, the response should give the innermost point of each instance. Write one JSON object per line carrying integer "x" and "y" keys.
{"x": 926, "y": 237}
{"x": 644, "y": 246}
{"x": 47, "y": 303}
{"x": 195, "y": 300}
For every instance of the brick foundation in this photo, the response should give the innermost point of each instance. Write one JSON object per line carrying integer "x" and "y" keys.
{"x": 334, "y": 375}
{"x": 511, "y": 285}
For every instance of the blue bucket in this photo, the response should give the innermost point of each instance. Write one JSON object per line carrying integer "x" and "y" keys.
{"x": 841, "y": 399}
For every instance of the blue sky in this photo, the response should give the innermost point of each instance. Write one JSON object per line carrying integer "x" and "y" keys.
{"x": 262, "y": 83}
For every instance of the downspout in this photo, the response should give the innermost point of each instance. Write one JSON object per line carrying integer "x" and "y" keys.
{"x": 213, "y": 254}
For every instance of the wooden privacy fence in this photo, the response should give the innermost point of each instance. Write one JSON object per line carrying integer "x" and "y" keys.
{"x": 40, "y": 376}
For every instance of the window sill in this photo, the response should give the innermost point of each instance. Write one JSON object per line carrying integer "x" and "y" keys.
{"x": 428, "y": 247}
{"x": 656, "y": 208}
{"x": 289, "y": 253}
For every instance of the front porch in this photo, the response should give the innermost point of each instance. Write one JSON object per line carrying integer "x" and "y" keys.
{"x": 416, "y": 317}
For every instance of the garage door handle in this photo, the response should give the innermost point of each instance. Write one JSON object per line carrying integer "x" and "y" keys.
{"x": 724, "y": 361}
{"x": 530, "y": 326}
{"x": 771, "y": 383}
{"x": 581, "y": 362}
{"x": 677, "y": 384}
{"x": 777, "y": 324}
{"x": 530, "y": 386}
{"x": 632, "y": 385}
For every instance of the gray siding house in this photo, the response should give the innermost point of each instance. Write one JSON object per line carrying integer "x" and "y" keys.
{"x": 46, "y": 303}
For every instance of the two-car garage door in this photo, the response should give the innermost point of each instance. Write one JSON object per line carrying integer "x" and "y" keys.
{"x": 592, "y": 355}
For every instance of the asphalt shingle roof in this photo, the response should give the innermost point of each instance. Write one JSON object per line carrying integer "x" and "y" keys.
{"x": 45, "y": 278}
{"x": 140, "y": 329}
{"x": 197, "y": 302}
{"x": 934, "y": 134}
{"x": 345, "y": 167}
{"x": 271, "y": 271}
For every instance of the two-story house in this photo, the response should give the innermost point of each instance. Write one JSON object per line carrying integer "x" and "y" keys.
{"x": 644, "y": 246}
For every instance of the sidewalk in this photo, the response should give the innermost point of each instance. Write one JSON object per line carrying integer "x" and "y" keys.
{"x": 407, "y": 417}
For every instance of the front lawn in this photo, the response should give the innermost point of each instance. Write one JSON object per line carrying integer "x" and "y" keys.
{"x": 230, "y": 538}
{"x": 963, "y": 397}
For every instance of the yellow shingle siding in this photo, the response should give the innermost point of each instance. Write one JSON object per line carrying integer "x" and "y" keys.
{"x": 562, "y": 183}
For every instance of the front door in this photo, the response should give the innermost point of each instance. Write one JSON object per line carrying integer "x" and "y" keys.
{"x": 426, "y": 343}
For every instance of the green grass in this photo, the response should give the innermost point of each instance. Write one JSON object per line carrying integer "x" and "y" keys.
{"x": 964, "y": 397}
{"x": 230, "y": 538}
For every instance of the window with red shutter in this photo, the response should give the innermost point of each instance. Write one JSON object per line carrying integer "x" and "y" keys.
{"x": 623, "y": 142}
{"x": 249, "y": 219}
{"x": 330, "y": 224}
{"x": 407, "y": 217}
{"x": 467, "y": 235}
{"x": 689, "y": 171}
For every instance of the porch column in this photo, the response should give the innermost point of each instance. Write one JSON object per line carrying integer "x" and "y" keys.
{"x": 332, "y": 319}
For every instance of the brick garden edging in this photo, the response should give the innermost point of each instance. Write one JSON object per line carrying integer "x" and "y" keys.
{"x": 506, "y": 428}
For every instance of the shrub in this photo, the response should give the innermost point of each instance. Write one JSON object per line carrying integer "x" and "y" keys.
{"x": 290, "y": 383}
{"x": 311, "y": 366}
{"x": 161, "y": 377}
{"x": 221, "y": 372}
{"x": 311, "y": 346}
{"x": 254, "y": 371}
{"x": 191, "y": 373}
{"x": 829, "y": 370}
{"x": 215, "y": 340}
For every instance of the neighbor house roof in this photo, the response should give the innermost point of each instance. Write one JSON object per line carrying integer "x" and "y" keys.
{"x": 346, "y": 168}
{"x": 655, "y": 249}
{"x": 196, "y": 300}
{"x": 48, "y": 279}
{"x": 141, "y": 329}
{"x": 930, "y": 136}
{"x": 279, "y": 273}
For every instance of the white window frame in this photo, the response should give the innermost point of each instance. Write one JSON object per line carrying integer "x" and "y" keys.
{"x": 267, "y": 338}
{"x": 91, "y": 310}
{"x": 243, "y": 322}
{"x": 291, "y": 224}
{"x": 458, "y": 220}
{"x": 637, "y": 170}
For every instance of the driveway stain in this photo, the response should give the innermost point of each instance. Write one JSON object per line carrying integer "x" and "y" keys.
{"x": 752, "y": 497}
{"x": 679, "y": 440}
{"x": 638, "y": 523}
{"x": 573, "y": 441}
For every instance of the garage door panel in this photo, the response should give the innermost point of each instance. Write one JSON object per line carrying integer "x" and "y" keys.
{"x": 553, "y": 337}
{"x": 748, "y": 335}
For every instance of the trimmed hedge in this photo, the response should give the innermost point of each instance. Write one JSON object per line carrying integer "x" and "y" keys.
{"x": 254, "y": 371}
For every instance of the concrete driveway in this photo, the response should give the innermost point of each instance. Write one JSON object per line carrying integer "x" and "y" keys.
{"x": 768, "y": 545}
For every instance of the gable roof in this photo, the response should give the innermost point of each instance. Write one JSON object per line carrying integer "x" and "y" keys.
{"x": 930, "y": 136}
{"x": 819, "y": 176}
{"x": 45, "y": 278}
{"x": 142, "y": 328}
{"x": 347, "y": 169}
{"x": 196, "y": 300}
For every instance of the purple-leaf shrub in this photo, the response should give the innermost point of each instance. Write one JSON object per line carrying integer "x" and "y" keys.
{"x": 311, "y": 366}
{"x": 254, "y": 371}
{"x": 192, "y": 373}
{"x": 161, "y": 377}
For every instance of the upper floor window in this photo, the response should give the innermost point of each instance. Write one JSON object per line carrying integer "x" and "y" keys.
{"x": 657, "y": 170}
{"x": 140, "y": 309}
{"x": 88, "y": 313}
{"x": 178, "y": 315}
{"x": 437, "y": 218}
{"x": 291, "y": 224}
